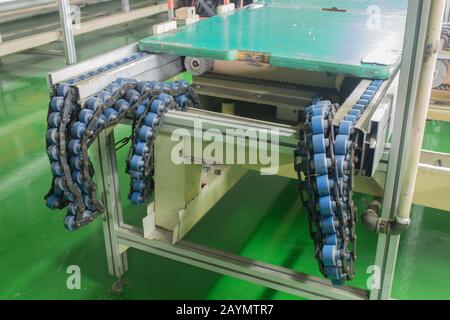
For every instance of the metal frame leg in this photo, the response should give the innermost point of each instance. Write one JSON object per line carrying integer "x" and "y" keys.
{"x": 416, "y": 28}
{"x": 108, "y": 182}
{"x": 67, "y": 28}
{"x": 125, "y": 6}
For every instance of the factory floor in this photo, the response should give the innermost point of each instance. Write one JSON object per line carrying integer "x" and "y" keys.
{"x": 261, "y": 218}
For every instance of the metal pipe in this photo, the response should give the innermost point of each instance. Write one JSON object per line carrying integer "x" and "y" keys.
{"x": 402, "y": 220}
{"x": 171, "y": 9}
{"x": 18, "y": 45}
{"x": 16, "y": 5}
{"x": 420, "y": 112}
{"x": 447, "y": 11}
{"x": 66, "y": 25}
{"x": 125, "y": 6}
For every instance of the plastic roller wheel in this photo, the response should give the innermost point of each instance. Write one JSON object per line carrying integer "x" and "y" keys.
{"x": 54, "y": 119}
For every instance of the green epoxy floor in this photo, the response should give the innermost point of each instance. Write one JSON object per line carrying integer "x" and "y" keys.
{"x": 259, "y": 219}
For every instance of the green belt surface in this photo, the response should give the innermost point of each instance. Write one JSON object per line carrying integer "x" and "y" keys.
{"x": 297, "y": 34}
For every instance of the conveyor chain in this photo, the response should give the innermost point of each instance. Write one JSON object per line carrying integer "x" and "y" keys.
{"x": 325, "y": 161}
{"x": 74, "y": 126}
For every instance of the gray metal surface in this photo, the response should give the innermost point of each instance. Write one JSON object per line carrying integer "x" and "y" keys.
{"x": 67, "y": 31}
{"x": 386, "y": 256}
{"x": 253, "y": 271}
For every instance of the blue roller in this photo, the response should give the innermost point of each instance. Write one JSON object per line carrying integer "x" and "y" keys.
{"x": 182, "y": 101}
{"x": 105, "y": 96}
{"x": 132, "y": 96}
{"x": 334, "y": 274}
{"x": 377, "y": 83}
{"x": 86, "y": 115}
{"x": 57, "y": 190}
{"x": 363, "y": 102}
{"x": 176, "y": 89}
{"x": 366, "y": 96}
{"x": 319, "y": 111}
{"x": 113, "y": 88}
{"x": 328, "y": 226}
{"x": 121, "y": 106}
{"x": 331, "y": 239}
{"x": 136, "y": 174}
{"x": 345, "y": 128}
{"x": 151, "y": 120}
{"x": 53, "y": 202}
{"x": 70, "y": 222}
{"x": 77, "y": 177}
{"x": 74, "y": 146}
{"x": 355, "y": 112}
{"x": 319, "y": 143}
{"x": 138, "y": 185}
{"x": 121, "y": 82}
{"x": 156, "y": 86}
{"x": 63, "y": 89}
{"x": 94, "y": 103}
{"x": 53, "y": 152}
{"x": 330, "y": 256}
{"x": 166, "y": 87}
{"x": 370, "y": 92}
{"x": 140, "y": 110}
{"x": 157, "y": 106}
{"x": 321, "y": 163}
{"x": 57, "y": 169}
{"x": 350, "y": 118}
{"x": 141, "y": 148}
{"x": 54, "y": 119}
{"x": 165, "y": 98}
{"x": 319, "y": 125}
{"x": 70, "y": 197}
{"x": 56, "y": 104}
{"x": 87, "y": 199}
{"x": 102, "y": 120}
{"x": 184, "y": 85}
{"x": 110, "y": 114}
{"x": 52, "y": 136}
{"x": 60, "y": 182}
{"x": 143, "y": 87}
{"x": 136, "y": 198}
{"x": 360, "y": 107}
{"x": 137, "y": 163}
{"x": 83, "y": 187}
{"x": 87, "y": 215}
{"x": 76, "y": 162}
{"x": 327, "y": 206}
{"x": 145, "y": 133}
{"x": 324, "y": 185}
{"x": 78, "y": 129}
{"x": 341, "y": 145}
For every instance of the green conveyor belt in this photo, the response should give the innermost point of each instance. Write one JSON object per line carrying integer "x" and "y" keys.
{"x": 297, "y": 34}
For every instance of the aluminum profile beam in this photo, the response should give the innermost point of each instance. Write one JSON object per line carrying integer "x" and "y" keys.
{"x": 270, "y": 276}
{"x": 29, "y": 42}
